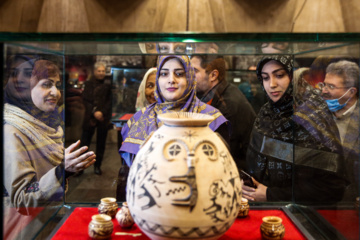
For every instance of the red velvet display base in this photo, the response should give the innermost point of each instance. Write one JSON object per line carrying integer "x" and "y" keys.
{"x": 76, "y": 226}
{"x": 345, "y": 221}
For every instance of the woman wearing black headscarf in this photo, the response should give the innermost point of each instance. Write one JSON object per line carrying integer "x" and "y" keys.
{"x": 294, "y": 152}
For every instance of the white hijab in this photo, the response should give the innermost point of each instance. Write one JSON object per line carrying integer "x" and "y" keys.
{"x": 141, "y": 101}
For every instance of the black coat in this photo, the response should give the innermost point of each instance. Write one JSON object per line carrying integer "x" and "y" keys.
{"x": 232, "y": 103}
{"x": 96, "y": 97}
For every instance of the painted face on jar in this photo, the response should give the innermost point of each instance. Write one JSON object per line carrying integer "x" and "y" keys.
{"x": 172, "y": 80}
{"x": 45, "y": 93}
{"x": 19, "y": 79}
{"x": 275, "y": 80}
{"x": 150, "y": 88}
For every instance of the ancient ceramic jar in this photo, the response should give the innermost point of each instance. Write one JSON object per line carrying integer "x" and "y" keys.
{"x": 272, "y": 228}
{"x": 108, "y": 206}
{"x": 124, "y": 217}
{"x": 101, "y": 226}
{"x": 183, "y": 183}
{"x": 244, "y": 208}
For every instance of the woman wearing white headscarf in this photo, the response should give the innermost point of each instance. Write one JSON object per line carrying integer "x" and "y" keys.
{"x": 145, "y": 95}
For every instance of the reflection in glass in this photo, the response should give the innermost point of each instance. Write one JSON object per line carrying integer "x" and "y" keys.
{"x": 34, "y": 162}
{"x": 340, "y": 90}
{"x": 275, "y": 47}
{"x": 97, "y": 101}
{"x": 288, "y": 150}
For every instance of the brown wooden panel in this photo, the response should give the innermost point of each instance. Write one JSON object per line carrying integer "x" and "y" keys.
{"x": 351, "y": 12}
{"x": 175, "y": 17}
{"x": 254, "y": 16}
{"x": 30, "y": 15}
{"x": 217, "y": 12}
{"x": 202, "y": 16}
{"x": 170, "y": 16}
{"x": 320, "y": 16}
{"x": 10, "y": 15}
{"x": 136, "y": 15}
{"x": 63, "y": 16}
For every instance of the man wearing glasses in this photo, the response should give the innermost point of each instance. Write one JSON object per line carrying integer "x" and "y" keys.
{"x": 340, "y": 90}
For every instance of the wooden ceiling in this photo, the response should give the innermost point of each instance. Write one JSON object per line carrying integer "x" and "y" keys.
{"x": 179, "y": 16}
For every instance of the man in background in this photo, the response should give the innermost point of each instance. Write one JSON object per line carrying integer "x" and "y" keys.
{"x": 340, "y": 90}
{"x": 97, "y": 101}
{"x": 213, "y": 89}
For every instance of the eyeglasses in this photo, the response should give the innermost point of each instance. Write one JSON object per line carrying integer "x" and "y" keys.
{"x": 323, "y": 85}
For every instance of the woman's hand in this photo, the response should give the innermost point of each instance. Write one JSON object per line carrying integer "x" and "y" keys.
{"x": 257, "y": 194}
{"x": 78, "y": 160}
{"x": 99, "y": 116}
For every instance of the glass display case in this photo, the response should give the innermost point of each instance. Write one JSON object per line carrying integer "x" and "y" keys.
{"x": 45, "y": 79}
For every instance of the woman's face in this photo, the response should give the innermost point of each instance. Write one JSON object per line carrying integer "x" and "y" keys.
{"x": 172, "y": 80}
{"x": 19, "y": 79}
{"x": 45, "y": 93}
{"x": 150, "y": 88}
{"x": 275, "y": 80}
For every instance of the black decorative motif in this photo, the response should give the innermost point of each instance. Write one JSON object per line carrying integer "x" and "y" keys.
{"x": 190, "y": 179}
{"x": 151, "y": 148}
{"x": 208, "y": 150}
{"x": 176, "y": 190}
{"x": 141, "y": 174}
{"x": 174, "y": 150}
{"x": 182, "y": 232}
{"x": 159, "y": 136}
{"x": 147, "y": 194}
{"x": 189, "y": 135}
{"x": 223, "y": 192}
{"x": 226, "y": 161}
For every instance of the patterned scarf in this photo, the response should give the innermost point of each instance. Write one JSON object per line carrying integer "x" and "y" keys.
{"x": 306, "y": 122}
{"x": 144, "y": 122}
{"x": 275, "y": 118}
{"x": 46, "y": 139}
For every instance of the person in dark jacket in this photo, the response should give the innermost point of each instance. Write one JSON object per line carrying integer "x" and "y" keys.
{"x": 97, "y": 101}
{"x": 295, "y": 153}
{"x": 213, "y": 89}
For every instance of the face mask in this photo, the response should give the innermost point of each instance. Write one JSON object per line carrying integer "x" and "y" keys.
{"x": 334, "y": 104}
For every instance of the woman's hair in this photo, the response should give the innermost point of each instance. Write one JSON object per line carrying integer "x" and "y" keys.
{"x": 285, "y": 60}
{"x": 44, "y": 69}
{"x": 348, "y": 71}
{"x": 211, "y": 62}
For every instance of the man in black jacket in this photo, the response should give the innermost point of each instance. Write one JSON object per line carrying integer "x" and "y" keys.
{"x": 213, "y": 89}
{"x": 97, "y": 101}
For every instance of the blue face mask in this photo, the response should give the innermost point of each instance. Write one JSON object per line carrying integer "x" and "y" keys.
{"x": 334, "y": 104}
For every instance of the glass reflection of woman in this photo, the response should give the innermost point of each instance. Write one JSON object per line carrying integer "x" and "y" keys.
{"x": 290, "y": 157}
{"x": 34, "y": 160}
{"x": 145, "y": 95}
{"x": 175, "y": 91}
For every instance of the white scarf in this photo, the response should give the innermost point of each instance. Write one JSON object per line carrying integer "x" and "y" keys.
{"x": 46, "y": 139}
